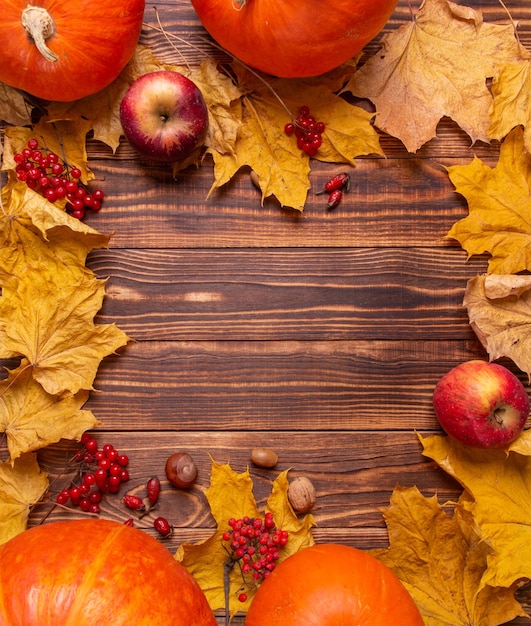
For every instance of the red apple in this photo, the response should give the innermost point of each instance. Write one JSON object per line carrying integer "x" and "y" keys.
{"x": 164, "y": 116}
{"x": 481, "y": 404}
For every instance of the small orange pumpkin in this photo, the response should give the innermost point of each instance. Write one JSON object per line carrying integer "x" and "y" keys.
{"x": 64, "y": 50}
{"x": 88, "y": 572}
{"x": 294, "y": 38}
{"x": 332, "y": 585}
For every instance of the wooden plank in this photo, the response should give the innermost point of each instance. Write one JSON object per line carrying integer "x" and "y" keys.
{"x": 226, "y": 385}
{"x": 287, "y": 294}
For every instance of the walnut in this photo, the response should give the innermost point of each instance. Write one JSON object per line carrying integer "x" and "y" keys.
{"x": 301, "y": 494}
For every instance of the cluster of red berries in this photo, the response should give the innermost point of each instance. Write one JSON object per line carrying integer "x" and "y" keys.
{"x": 255, "y": 544}
{"x": 307, "y": 130}
{"x": 101, "y": 471}
{"x": 335, "y": 187}
{"x": 44, "y": 171}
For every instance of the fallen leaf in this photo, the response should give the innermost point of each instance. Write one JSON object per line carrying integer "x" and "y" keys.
{"x": 22, "y": 484}
{"x": 501, "y": 324}
{"x": 499, "y": 202}
{"x": 282, "y": 169}
{"x": 434, "y": 67}
{"x": 230, "y": 495}
{"x": 510, "y": 105}
{"x": 31, "y": 418}
{"x": 499, "y": 485}
{"x": 504, "y": 285}
{"x": 13, "y": 107}
{"x": 441, "y": 561}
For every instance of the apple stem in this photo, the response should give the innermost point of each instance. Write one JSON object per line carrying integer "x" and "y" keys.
{"x": 40, "y": 26}
{"x": 497, "y": 414}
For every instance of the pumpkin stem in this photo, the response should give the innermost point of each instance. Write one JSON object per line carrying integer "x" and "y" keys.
{"x": 238, "y": 5}
{"x": 40, "y": 26}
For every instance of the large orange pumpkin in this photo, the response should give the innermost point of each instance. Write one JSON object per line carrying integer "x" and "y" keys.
{"x": 95, "y": 572}
{"x": 332, "y": 585}
{"x": 294, "y": 38}
{"x": 66, "y": 49}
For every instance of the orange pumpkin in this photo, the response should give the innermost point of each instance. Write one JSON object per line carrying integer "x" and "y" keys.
{"x": 88, "y": 572}
{"x": 66, "y": 49}
{"x": 332, "y": 585}
{"x": 296, "y": 38}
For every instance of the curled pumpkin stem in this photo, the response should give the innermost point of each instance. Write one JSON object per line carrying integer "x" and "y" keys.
{"x": 40, "y": 26}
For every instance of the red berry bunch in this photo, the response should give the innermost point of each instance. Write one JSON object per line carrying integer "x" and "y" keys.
{"x": 45, "y": 172}
{"x": 255, "y": 544}
{"x": 101, "y": 471}
{"x": 307, "y": 130}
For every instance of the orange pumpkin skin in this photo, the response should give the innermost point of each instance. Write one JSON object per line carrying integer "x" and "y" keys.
{"x": 294, "y": 38}
{"x": 88, "y": 572}
{"x": 93, "y": 41}
{"x": 332, "y": 585}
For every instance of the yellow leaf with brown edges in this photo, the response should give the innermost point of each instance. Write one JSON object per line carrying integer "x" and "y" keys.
{"x": 501, "y": 317}
{"x": 511, "y": 105}
{"x": 31, "y": 418}
{"x": 282, "y": 169}
{"x": 436, "y": 66}
{"x": 498, "y": 484}
{"x": 441, "y": 561}
{"x": 22, "y": 484}
{"x": 230, "y": 495}
{"x": 499, "y": 203}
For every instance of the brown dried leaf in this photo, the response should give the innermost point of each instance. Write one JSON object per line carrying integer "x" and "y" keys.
{"x": 502, "y": 324}
{"x": 441, "y": 560}
{"x": 230, "y": 494}
{"x": 13, "y": 107}
{"x": 434, "y": 67}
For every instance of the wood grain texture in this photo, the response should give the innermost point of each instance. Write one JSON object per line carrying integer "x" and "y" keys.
{"x": 319, "y": 334}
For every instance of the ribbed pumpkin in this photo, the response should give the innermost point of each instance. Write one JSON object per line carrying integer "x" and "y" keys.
{"x": 293, "y": 38}
{"x": 332, "y": 585}
{"x": 96, "y": 572}
{"x": 64, "y": 50}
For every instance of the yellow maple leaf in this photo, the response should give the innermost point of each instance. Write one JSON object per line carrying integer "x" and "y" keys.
{"x": 31, "y": 418}
{"x": 499, "y": 202}
{"x": 434, "y": 67}
{"x": 22, "y": 484}
{"x": 230, "y": 495}
{"x": 441, "y": 561}
{"x": 281, "y": 167}
{"x": 497, "y": 484}
{"x": 501, "y": 316}
{"x": 511, "y": 105}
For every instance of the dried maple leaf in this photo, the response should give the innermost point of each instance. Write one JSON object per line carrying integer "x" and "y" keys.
{"x": 441, "y": 561}
{"x": 31, "y": 418}
{"x": 499, "y": 202}
{"x": 501, "y": 317}
{"x": 511, "y": 106}
{"x": 22, "y": 484}
{"x": 230, "y": 495}
{"x": 498, "y": 487}
{"x": 436, "y": 66}
{"x": 283, "y": 169}
{"x": 13, "y": 108}
{"x": 49, "y": 302}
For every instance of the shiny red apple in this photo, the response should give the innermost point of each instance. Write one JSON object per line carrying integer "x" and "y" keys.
{"x": 481, "y": 404}
{"x": 164, "y": 116}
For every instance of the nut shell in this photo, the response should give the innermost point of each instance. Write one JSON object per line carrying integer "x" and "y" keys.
{"x": 301, "y": 494}
{"x": 264, "y": 457}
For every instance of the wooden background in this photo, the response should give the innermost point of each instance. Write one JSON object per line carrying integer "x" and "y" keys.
{"x": 321, "y": 335}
